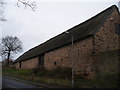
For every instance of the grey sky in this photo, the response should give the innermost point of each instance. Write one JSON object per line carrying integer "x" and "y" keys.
{"x": 49, "y": 20}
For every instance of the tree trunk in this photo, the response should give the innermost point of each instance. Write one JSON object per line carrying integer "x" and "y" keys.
{"x": 8, "y": 58}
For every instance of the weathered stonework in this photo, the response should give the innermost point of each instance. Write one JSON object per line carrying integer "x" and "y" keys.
{"x": 27, "y": 64}
{"x": 106, "y": 49}
{"x": 85, "y": 56}
{"x": 85, "y": 52}
{"x": 17, "y": 65}
{"x": 107, "y": 38}
{"x": 82, "y": 57}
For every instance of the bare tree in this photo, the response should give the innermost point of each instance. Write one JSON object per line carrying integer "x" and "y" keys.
{"x": 25, "y": 3}
{"x": 10, "y": 45}
{"x": 2, "y": 3}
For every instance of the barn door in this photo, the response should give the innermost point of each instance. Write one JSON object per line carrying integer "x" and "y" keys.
{"x": 41, "y": 60}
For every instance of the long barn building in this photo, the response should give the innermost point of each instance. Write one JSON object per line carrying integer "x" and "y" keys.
{"x": 95, "y": 46}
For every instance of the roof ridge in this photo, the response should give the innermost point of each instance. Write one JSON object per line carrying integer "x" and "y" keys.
{"x": 72, "y": 29}
{"x": 82, "y": 22}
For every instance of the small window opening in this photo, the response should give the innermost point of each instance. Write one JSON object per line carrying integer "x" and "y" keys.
{"x": 84, "y": 45}
{"x": 93, "y": 51}
{"x": 117, "y": 28}
{"x": 55, "y": 63}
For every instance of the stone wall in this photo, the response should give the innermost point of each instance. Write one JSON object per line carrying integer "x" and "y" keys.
{"x": 29, "y": 64}
{"x": 106, "y": 49}
{"x": 107, "y": 65}
{"x": 86, "y": 53}
{"x": 81, "y": 51}
{"x": 107, "y": 39}
{"x": 17, "y": 65}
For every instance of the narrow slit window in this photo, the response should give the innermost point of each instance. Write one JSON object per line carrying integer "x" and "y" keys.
{"x": 55, "y": 63}
{"x": 117, "y": 28}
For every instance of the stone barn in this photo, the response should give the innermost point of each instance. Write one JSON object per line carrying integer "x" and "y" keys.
{"x": 95, "y": 47}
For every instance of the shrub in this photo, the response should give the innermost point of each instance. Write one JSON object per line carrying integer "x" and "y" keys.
{"x": 59, "y": 72}
{"x": 63, "y": 72}
{"x": 39, "y": 71}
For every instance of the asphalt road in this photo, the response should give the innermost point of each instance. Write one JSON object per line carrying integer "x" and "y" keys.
{"x": 0, "y": 82}
{"x": 0, "y": 76}
{"x": 11, "y": 83}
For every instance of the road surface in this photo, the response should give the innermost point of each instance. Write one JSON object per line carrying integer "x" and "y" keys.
{"x": 0, "y": 75}
{"x": 12, "y": 83}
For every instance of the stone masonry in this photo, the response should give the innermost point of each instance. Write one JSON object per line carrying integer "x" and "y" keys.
{"x": 84, "y": 53}
{"x": 27, "y": 64}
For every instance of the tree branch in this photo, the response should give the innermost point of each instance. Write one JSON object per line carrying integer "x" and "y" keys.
{"x": 32, "y": 5}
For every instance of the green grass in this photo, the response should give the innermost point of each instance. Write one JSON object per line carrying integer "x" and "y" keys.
{"x": 80, "y": 83}
{"x": 107, "y": 71}
{"x": 28, "y": 75}
{"x": 18, "y": 72}
{"x": 44, "y": 80}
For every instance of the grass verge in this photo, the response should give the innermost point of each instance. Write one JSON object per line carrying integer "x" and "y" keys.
{"x": 28, "y": 75}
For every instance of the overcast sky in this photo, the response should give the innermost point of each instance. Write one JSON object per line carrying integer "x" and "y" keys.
{"x": 50, "y": 19}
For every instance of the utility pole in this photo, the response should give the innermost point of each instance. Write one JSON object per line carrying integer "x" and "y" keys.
{"x": 72, "y": 39}
{"x": 72, "y": 65}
